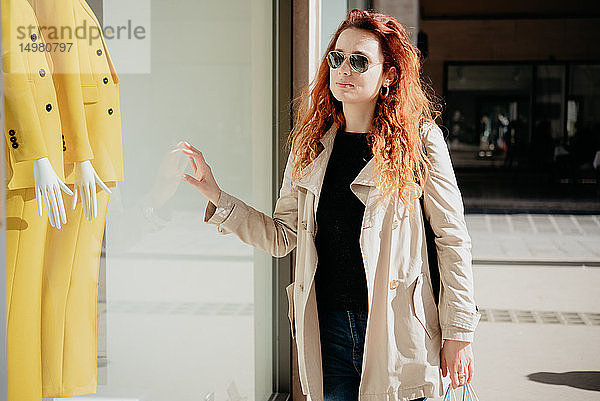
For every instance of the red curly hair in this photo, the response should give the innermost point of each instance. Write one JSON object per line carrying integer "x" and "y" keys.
{"x": 400, "y": 160}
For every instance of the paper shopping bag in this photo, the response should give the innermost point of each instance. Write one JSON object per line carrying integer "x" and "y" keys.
{"x": 468, "y": 393}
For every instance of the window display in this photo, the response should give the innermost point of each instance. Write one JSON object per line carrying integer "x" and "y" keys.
{"x": 117, "y": 288}
{"x": 33, "y": 135}
{"x": 63, "y": 125}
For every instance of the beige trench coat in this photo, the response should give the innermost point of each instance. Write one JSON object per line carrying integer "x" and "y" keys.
{"x": 403, "y": 339}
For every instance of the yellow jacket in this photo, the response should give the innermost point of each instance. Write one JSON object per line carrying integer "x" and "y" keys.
{"x": 32, "y": 125}
{"x": 87, "y": 87}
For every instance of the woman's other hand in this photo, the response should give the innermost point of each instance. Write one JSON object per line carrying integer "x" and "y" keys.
{"x": 203, "y": 178}
{"x": 457, "y": 358}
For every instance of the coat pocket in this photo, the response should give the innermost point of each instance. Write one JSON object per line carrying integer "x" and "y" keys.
{"x": 290, "y": 295}
{"x": 424, "y": 307}
{"x": 90, "y": 94}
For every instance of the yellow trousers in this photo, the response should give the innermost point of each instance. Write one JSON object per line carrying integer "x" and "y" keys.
{"x": 69, "y": 299}
{"x": 52, "y": 314}
{"x": 25, "y": 239}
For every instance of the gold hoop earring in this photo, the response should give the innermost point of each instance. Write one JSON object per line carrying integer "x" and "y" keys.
{"x": 387, "y": 90}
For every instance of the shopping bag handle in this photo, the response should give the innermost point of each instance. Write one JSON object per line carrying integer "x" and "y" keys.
{"x": 468, "y": 393}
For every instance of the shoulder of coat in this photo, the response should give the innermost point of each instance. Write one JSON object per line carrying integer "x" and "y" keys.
{"x": 428, "y": 127}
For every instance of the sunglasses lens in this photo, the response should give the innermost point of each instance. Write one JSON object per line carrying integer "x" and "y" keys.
{"x": 359, "y": 62}
{"x": 335, "y": 59}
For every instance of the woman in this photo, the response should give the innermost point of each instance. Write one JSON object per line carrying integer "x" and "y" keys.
{"x": 377, "y": 332}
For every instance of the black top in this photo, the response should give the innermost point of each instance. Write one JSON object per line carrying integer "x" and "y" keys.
{"x": 340, "y": 280}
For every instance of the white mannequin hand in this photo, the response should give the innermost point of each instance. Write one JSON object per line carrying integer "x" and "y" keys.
{"x": 48, "y": 186}
{"x": 85, "y": 183}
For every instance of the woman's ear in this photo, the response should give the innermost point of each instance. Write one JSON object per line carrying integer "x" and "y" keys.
{"x": 390, "y": 77}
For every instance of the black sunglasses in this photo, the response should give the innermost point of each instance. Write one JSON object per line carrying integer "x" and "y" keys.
{"x": 358, "y": 62}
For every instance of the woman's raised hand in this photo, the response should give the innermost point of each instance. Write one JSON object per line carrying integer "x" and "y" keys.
{"x": 203, "y": 178}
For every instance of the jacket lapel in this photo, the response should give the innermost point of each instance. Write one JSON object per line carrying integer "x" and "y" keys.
{"x": 312, "y": 175}
{"x": 364, "y": 181}
{"x": 92, "y": 15}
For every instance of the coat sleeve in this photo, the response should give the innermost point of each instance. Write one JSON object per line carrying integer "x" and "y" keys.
{"x": 22, "y": 119}
{"x": 443, "y": 208}
{"x": 275, "y": 235}
{"x": 67, "y": 81}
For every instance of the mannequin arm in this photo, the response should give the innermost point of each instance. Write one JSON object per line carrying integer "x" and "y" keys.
{"x": 48, "y": 186}
{"x": 68, "y": 81}
{"x": 23, "y": 132}
{"x": 85, "y": 183}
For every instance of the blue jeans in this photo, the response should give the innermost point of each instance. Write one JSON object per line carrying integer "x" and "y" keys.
{"x": 342, "y": 343}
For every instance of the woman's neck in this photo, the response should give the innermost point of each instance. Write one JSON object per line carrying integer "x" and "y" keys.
{"x": 359, "y": 116}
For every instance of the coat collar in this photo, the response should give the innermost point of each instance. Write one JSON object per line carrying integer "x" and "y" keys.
{"x": 312, "y": 175}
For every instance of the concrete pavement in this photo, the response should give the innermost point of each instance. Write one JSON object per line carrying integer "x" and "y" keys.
{"x": 537, "y": 288}
{"x": 535, "y": 238}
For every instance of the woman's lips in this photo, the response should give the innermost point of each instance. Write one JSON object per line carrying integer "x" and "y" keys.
{"x": 343, "y": 85}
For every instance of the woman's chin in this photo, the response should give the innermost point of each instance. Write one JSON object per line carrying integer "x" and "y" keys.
{"x": 352, "y": 100}
{"x": 347, "y": 97}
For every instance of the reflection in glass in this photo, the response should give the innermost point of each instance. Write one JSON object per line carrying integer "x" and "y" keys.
{"x": 188, "y": 312}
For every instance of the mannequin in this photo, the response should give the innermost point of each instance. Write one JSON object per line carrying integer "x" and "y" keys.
{"x": 45, "y": 180}
{"x": 34, "y": 177}
{"x": 88, "y": 96}
{"x": 86, "y": 178}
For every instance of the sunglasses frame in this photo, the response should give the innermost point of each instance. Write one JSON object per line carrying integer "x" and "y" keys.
{"x": 369, "y": 63}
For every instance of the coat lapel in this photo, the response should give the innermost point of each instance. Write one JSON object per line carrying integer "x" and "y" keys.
{"x": 364, "y": 181}
{"x": 92, "y": 15}
{"x": 312, "y": 176}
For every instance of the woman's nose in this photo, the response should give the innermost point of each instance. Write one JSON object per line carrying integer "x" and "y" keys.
{"x": 345, "y": 67}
